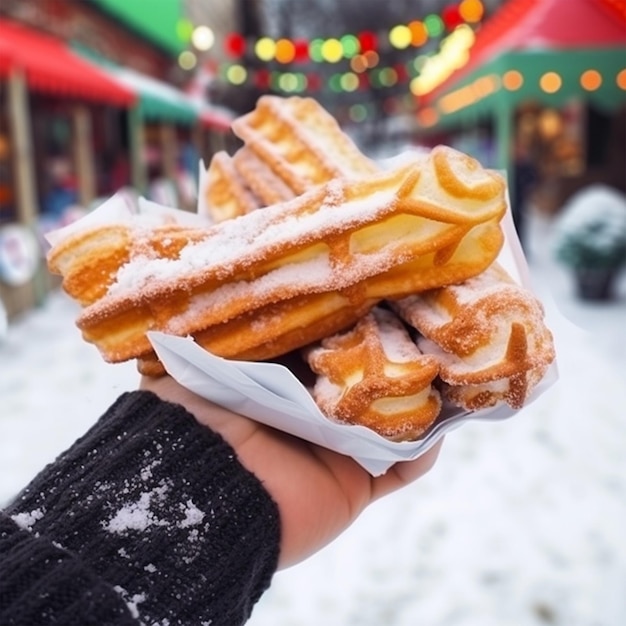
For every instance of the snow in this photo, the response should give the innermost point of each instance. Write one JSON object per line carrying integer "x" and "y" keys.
{"x": 137, "y": 515}
{"x": 520, "y": 523}
{"x": 26, "y": 520}
{"x": 592, "y": 226}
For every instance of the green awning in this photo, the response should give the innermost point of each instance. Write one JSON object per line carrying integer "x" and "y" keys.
{"x": 515, "y": 77}
{"x": 156, "y": 20}
{"x": 158, "y": 100}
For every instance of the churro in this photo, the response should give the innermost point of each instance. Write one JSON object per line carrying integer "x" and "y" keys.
{"x": 374, "y": 375}
{"x": 489, "y": 336}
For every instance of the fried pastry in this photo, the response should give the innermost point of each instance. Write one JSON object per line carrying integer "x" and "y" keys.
{"x": 289, "y": 146}
{"x": 227, "y": 194}
{"x": 274, "y": 280}
{"x": 109, "y": 246}
{"x": 374, "y": 375}
{"x": 489, "y": 336}
{"x": 301, "y": 142}
{"x": 259, "y": 177}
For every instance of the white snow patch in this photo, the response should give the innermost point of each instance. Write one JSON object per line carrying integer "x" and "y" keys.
{"x": 137, "y": 515}
{"x": 27, "y": 520}
{"x": 193, "y": 515}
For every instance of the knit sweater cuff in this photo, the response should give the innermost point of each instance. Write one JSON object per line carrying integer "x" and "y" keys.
{"x": 162, "y": 511}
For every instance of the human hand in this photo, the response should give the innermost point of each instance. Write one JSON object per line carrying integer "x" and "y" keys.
{"x": 319, "y": 492}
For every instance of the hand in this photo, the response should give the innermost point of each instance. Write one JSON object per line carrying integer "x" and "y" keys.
{"x": 319, "y": 493}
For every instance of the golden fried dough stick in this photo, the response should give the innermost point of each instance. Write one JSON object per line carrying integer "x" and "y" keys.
{"x": 333, "y": 244}
{"x": 279, "y": 328}
{"x": 301, "y": 142}
{"x": 374, "y": 375}
{"x": 290, "y": 144}
{"x": 489, "y": 336}
{"x": 110, "y": 246}
{"x": 227, "y": 194}
{"x": 260, "y": 178}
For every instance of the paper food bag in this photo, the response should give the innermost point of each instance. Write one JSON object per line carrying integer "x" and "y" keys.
{"x": 270, "y": 393}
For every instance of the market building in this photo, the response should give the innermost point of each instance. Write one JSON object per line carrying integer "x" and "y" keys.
{"x": 92, "y": 100}
{"x": 546, "y": 78}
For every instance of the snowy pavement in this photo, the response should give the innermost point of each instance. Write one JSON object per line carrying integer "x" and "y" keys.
{"x": 520, "y": 523}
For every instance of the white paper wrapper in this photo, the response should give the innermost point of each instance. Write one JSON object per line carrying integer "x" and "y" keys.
{"x": 271, "y": 394}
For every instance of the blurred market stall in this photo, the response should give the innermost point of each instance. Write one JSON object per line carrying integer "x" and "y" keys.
{"x": 91, "y": 100}
{"x": 546, "y": 77}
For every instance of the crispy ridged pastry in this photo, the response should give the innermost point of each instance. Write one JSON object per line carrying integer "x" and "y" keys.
{"x": 226, "y": 193}
{"x": 279, "y": 278}
{"x": 374, "y": 375}
{"x": 290, "y": 145}
{"x": 301, "y": 142}
{"x": 488, "y": 335}
{"x": 259, "y": 177}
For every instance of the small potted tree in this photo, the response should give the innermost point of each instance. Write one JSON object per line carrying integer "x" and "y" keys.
{"x": 590, "y": 239}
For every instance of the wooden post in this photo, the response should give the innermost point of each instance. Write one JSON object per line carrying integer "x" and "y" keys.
{"x": 83, "y": 155}
{"x": 34, "y": 292}
{"x": 21, "y": 138}
{"x": 137, "y": 141}
{"x": 169, "y": 149}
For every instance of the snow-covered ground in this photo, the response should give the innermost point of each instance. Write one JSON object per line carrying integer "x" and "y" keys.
{"x": 520, "y": 523}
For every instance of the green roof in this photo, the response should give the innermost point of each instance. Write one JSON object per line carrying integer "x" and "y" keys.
{"x": 532, "y": 64}
{"x": 156, "y": 20}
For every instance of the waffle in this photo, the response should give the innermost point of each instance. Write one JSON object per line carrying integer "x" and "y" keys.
{"x": 488, "y": 335}
{"x": 302, "y": 269}
{"x": 374, "y": 375}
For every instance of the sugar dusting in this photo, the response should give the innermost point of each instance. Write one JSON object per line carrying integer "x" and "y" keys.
{"x": 251, "y": 237}
{"x": 396, "y": 343}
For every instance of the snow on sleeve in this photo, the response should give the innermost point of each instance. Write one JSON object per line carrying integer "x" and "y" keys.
{"x": 137, "y": 515}
{"x": 27, "y": 520}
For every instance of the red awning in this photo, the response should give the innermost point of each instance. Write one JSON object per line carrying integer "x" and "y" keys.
{"x": 49, "y": 65}
{"x": 544, "y": 25}
{"x": 215, "y": 118}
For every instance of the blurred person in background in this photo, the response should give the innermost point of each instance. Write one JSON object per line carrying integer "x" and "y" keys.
{"x": 525, "y": 179}
{"x": 62, "y": 192}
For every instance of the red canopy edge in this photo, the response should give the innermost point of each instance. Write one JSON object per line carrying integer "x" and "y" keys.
{"x": 212, "y": 118}
{"x": 542, "y": 24}
{"x": 49, "y": 65}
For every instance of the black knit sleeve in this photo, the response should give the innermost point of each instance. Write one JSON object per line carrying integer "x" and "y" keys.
{"x": 148, "y": 518}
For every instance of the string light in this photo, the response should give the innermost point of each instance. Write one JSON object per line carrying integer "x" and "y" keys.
{"x": 359, "y": 49}
{"x": 550, "y": 82}
{"x": 203, "y": 38}
{"x": 591, "y": 80}
{"x": 512, "y": 80}
{"x": 285, "y": 51}
{"x": 400, "y": 37}
{"x": 332, "y": 50}
{"x": 414, "y": 33}
{"x": 419, "y": 34}
{"x": 187, "y": 60}
{"x": 471, "y": 11}
{"x": 265, "y": 48}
